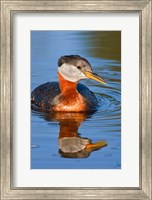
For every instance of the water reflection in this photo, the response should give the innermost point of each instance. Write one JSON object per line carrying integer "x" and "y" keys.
{"x": 71, "y": 144}
{"x": 105, "y": 44}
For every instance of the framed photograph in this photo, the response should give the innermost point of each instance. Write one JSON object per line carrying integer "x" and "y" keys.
{"x": 76, "y": 99}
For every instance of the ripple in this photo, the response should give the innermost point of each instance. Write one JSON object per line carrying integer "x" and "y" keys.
{"x": 35, "y": 146}
{"x": 108, "y": 103}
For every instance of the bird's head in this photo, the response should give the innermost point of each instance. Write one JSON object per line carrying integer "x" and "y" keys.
{"x": 75, "y": 68}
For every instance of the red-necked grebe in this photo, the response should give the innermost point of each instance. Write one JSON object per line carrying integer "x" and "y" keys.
{"x": 68, "y": 95}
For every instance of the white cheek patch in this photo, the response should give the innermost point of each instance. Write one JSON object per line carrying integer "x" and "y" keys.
{"x": 71, "y": 73}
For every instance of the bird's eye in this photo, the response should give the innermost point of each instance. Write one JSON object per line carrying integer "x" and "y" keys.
{"x": 78, "y": 67}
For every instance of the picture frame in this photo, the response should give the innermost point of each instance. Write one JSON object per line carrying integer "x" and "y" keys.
{"x": 8, "y": 9}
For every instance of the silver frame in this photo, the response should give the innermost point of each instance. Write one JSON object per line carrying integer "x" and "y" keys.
{"x": 144, "y": 8}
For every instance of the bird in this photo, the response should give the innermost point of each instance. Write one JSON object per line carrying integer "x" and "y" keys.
{"x": 68, "y": 95}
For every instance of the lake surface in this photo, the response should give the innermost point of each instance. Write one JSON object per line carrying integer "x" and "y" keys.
{"x": 52, "y": 135}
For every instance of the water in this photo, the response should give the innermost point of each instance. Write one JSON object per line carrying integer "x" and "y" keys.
{"x": 57, "y": 139}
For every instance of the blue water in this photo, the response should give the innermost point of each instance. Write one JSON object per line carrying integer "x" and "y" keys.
{"x": 103, "y": 50}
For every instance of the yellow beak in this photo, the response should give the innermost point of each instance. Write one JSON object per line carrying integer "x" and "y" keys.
{"x": 94, "y": 76}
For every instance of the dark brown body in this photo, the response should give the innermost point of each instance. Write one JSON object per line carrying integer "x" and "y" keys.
{"x": 64, "y": 96}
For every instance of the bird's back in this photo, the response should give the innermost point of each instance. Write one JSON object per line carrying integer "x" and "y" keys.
{"x": 43, "y": 96}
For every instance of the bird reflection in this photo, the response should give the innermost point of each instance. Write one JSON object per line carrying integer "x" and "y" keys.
{"x": 71, "y": 144}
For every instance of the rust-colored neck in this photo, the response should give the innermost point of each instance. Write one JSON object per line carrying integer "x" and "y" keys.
{"x": 66, "y": 85}
{"x": 68, "y": 129}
